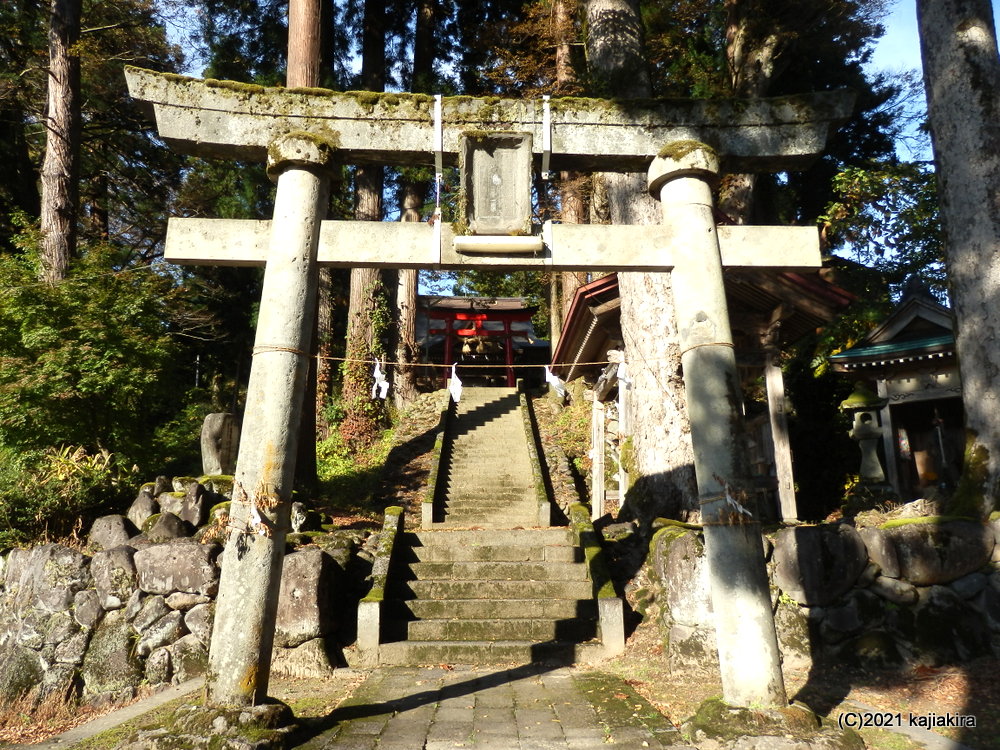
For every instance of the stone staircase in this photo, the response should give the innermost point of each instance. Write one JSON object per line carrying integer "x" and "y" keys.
{"x": 490, "y": 597}
{"x": 489, "y": 481}
{"x": 489, "y": 582}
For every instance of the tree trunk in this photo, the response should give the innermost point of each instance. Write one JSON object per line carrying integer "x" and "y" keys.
{"x": 660, "y": 452}
{"x": 751, "y": 49}
{"x": 749, "y": 660}
{"x": 303, "y": 44}
{"x": 962, "y": 77}
{"x": 659, "y": 447}
{"x": 413, "y": 194}
{"x": 367, "y": 323}
{"x": 572, "y": 185}
{"x": 62, "y": 142}
{"x": 405, "y": 382}
{"x": 615, "y": 55}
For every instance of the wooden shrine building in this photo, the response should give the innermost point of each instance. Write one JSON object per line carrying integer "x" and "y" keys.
{"x": 490, "y": 339}
{"x": 767, "y": 311}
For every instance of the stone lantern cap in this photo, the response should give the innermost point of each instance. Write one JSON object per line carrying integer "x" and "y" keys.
{"x": 862, "y": 398}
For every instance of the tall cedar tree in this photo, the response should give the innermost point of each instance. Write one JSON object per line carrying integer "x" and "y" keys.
{"x": 367, "y": 315}
{"x": 61, "y": 167}
{"x": 962, "y": 76}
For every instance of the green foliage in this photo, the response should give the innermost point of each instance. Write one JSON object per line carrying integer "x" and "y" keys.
{"x": 124, "y": 172}
{"x": 886, "y": 216}
{"x": 52, "y": 491}
{"x": 571, "y": 432}
{"x": 85, "y": 361}
{"x": 349, "y": 476}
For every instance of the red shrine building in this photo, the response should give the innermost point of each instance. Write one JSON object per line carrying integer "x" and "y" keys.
{"x": 490, "y": 339}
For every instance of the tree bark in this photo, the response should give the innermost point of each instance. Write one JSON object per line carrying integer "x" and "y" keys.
{"x": 405, "y": 382}
{"x": 368, "y": 301}
{"x": 413, "y": 195}
{"x": 616, "y": 61}
{"x": 367, "y": 306}
{"x": 962, "y": 79}
{"x": 573, "y": 185}
{"x": 665, "y": 382}
{"x": 662, "y": 460}
{"x": 62, "y": 142}
{"x": 303, "y": 44}
{"x": 751, "y": 49}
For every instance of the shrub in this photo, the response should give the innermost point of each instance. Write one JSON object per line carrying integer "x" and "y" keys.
{"x": 57, "y": 490}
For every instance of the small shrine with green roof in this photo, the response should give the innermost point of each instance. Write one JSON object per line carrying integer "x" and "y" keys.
{"x": 908, "y": 365}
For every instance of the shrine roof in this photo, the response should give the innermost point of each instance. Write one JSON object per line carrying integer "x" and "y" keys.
{"x": 894, "y": 353}
{"x": 490, "y": 305}
{"x": 918, "y": 330}
{"x": 592, "y": 324}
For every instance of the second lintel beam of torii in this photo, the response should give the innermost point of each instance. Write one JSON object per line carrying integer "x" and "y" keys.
{"x": 596, "y": 247}
{"x": 238, "y": 121}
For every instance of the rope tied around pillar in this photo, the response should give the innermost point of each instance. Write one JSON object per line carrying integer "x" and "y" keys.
{"x": 266, "y": 349}
{"x": 727, "y": 344}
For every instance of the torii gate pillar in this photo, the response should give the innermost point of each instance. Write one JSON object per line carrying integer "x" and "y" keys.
{"x": 240, "y": 653}
{"x": 681, "y": 179}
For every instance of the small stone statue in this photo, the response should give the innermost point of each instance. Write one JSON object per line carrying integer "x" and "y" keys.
{"x": 220, "y": 440}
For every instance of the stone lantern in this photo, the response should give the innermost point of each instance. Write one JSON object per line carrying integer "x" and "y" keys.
{"x": 863, "y": 405}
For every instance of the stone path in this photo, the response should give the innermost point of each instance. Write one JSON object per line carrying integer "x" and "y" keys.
{"x": 531, "y": 707}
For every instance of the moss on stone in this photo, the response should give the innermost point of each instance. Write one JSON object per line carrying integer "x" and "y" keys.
{"x": 219, "y": 509}
{"x": 660, "y": 523}
{"x": 970, "y": 495}
{"x": 149, "y": 523}
{"x": 666, "y": 536}
{"x": 718, "y": 720}
{"x": 593, "y": 552}
{"x": 677, "y": 150}
{"x": 923, "y": 521}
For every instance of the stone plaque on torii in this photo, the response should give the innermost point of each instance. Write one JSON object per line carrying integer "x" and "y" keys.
{"x": 682, "y": 144}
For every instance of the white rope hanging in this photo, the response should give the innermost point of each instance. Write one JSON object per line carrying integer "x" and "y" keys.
{"x": 455, "y": 385}
{"x": 555, "y": 381}
{"x": 380, "y": 386}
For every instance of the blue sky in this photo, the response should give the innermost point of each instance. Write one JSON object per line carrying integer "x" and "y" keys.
{"x": 899, "y": 49}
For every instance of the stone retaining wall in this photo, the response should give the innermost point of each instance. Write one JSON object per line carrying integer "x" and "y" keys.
{"x": 135, "y": 608}
{"x": 914, "y": 591}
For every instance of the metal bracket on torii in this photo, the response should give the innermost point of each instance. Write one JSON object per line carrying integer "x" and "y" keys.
{"x": 683, "y": 145}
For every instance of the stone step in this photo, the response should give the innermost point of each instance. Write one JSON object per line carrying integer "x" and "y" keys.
{"x": 493, "y": 552}
{"x": 491, "y": 501}
{"x": 520, "y": 629}
{"x": 488, "y": 589}
{"x": 495, "y": 521}
{"x": 499, "y": 571}
{"x": 554, "y": 535}
{"x": 417, "y": 653}
{"x": 495, "y": 609}
{"x": 467, "y": 449}
{"x": 482, "y": 492}
{"x": 500, "y": 491}
{"x": 500, "y": 447}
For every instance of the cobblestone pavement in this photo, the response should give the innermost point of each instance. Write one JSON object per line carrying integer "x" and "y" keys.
{"x": 531, "y": 707}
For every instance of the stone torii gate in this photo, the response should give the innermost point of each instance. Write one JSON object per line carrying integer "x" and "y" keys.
{"x": 302, "y": 132}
